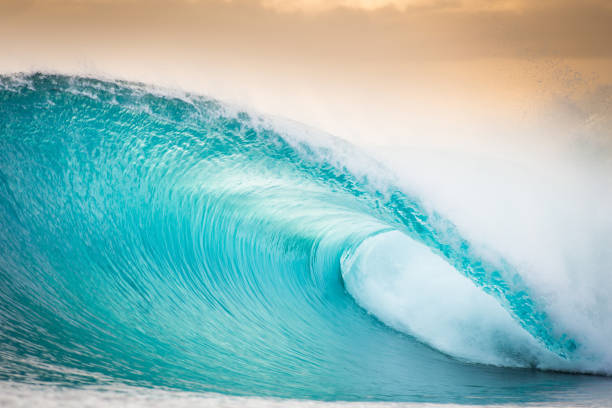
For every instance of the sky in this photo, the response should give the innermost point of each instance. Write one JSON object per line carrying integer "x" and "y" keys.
{"x": 376, "y": 72}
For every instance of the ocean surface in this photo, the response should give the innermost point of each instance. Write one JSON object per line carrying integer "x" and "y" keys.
{"x": 178, "y": 247}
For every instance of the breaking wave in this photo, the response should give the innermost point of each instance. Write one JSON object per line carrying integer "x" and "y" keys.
{"x": 166, "y": 239}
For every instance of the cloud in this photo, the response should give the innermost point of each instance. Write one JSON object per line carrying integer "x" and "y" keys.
{"x": 401, "y": 5}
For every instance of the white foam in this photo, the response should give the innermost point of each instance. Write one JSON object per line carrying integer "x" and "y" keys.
{"x": 13, "y": 395}
{"x": 410, "y": 288}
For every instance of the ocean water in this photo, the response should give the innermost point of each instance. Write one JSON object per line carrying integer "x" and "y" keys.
{"x": 179, "y": 247}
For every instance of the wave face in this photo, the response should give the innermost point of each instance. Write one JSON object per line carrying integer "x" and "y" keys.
{"x": 163, "y": 240}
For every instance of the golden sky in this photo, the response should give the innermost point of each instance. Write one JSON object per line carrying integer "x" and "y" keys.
{"x": 405, "y": 65}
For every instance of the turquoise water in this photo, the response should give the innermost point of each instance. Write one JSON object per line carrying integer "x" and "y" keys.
{"x": 169, "y": 240}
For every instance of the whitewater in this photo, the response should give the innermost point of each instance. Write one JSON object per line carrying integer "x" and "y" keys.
{"x": 168, "y": 242}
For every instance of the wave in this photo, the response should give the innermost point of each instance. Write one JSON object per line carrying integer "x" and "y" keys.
{"x": 170, "y": 240}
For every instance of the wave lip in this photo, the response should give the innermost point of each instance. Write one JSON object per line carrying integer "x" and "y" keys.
{"x": 171, "y": 241}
